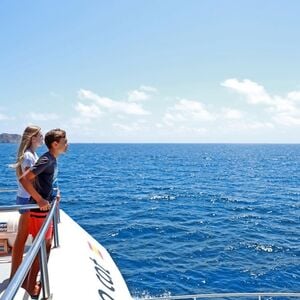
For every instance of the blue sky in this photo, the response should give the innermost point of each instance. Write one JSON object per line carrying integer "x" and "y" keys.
{"x": 152, "y": 70}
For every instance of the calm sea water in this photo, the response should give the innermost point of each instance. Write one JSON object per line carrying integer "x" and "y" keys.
{"x": 186, "y": 218}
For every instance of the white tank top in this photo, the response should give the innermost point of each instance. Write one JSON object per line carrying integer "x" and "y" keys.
{"x": 29, "y": 160}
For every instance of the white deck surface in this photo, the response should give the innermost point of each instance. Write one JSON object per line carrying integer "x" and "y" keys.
{"x": 5, "y": 261}
{"x": 4, "y": 271}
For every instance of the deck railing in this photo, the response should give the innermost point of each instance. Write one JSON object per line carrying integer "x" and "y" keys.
{"x": 259, "y": 296}
{"x": 38, "y": 248}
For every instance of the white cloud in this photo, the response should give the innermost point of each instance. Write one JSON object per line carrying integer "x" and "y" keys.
{"x": 281, "y": 110}
{"x": 170, "y": 118}
{"x": 192, "y": 130}
{"x": 187, "y": 111}
{"x": 194, "y": 109}
{"x": 102, "y": 101}
{"x": 113, "y": 106}
{"x": 141, "y": 94}
{"x": 4, "y": 117}
{"x": 258, "y": 125}
{"x": 79, "y": 121}
{"x": 247, "y": 126}
{"x": 42, "y": 116}
{"x": 181, "y": 131}
{"x": 136, "y": 96}
{"x": 294, "y": 96}
{"x": 258, "y": 114}
{"x": 254, "y": 92}
{"x": 88, "y": 111}
{"x": 232, "y": 114}
{"x": 149, "y": 89}
{"x": 127, "y": 127}
{"x": 282, "y": 105}
{"x": 287, "y": 120}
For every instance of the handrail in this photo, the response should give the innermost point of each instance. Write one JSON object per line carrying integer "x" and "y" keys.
{"x": 6, "y": 208}
{"x": 223, "y": 295}
{"x": 37, "y": 245}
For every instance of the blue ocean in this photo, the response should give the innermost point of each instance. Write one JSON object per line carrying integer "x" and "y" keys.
{"x": 185, "y": 218}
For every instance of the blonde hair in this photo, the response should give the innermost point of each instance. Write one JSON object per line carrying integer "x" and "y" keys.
{"x": 26, "y": 140}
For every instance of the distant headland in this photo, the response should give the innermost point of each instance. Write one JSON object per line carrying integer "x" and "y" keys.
{"x": 6, "y": 138}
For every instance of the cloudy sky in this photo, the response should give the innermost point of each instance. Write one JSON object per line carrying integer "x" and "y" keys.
{"x": 152, "y": 71}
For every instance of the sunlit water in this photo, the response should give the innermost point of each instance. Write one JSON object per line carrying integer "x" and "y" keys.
{"x": 186, "y": 218}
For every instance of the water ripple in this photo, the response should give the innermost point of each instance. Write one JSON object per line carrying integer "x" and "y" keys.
{"x": 186, "y": 218}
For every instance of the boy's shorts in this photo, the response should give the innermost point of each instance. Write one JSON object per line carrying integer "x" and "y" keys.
{"x": 35, "y": 223}
{"x": 22, "y": 201}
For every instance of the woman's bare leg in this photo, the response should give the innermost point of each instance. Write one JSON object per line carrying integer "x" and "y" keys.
{"x": 19, "y": 245}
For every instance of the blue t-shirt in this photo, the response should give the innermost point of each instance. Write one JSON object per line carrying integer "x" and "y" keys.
{"x": 45, "y": 170}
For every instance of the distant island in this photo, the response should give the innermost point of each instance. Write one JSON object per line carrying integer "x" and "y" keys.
{"x": 6, "y": 138}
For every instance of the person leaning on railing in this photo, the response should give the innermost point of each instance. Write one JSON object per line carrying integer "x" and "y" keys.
{"x": 38, "y": 181}
{"x": 31, "y": 139}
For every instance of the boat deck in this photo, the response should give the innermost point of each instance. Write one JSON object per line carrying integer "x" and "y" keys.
{"x": 5, "y": 260}
{"x": 80, "y": 268}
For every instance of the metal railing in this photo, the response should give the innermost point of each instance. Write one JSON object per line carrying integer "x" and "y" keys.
{"x": 258, "y": 296}
{"x": 38, "y": 247}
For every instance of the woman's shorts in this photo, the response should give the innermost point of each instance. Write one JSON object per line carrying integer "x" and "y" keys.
{"x": 22, "y": 201}
{"x": 35, "y": 223}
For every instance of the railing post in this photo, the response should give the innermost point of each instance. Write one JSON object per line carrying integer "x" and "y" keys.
{"x": 55, "y": 227}
{"x": 44, "y": 270}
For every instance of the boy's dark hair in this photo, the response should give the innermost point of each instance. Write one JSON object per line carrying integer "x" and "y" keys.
{"x": 54, "y": 135}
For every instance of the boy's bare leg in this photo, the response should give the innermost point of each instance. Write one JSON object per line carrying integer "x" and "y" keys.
{"x": 33, "y": 272}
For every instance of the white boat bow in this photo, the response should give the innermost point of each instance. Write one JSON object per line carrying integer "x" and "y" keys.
{"x": 79, "y": 267}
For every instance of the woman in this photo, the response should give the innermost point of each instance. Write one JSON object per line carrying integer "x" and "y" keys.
{"x": 32, "y": 138}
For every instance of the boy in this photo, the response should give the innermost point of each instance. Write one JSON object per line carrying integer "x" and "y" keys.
{"x": 39, "y": 181}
